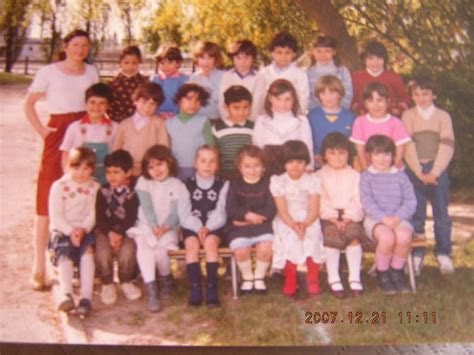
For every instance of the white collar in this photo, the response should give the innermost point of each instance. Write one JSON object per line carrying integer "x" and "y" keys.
{"x": 232, "y": 124}
{"x": 127, "y": 75}
{"x": 393, "y": 170}
{"x": 426, "y": 113}
{"x": 378, "y": 120}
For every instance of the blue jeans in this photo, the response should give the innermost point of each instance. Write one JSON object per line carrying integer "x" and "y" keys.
{"x": 438, "y": 196}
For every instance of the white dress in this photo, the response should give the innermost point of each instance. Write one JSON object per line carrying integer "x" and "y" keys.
{"x": 287, "y": 245}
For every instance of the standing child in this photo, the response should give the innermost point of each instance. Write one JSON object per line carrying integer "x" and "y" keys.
{"x": 389, "y": 203}
{"x": 116, "y": 212}
{"x": 143, "y": 129}
{"x": 341, "y": 213}
{"x": 378, "y": 121}
{"x": 72, "y": 213}
{"x": 156, "y": 230}
{"x": 297, "y": 229}
{"x": 325, "y": 62}
{"x": 189, "y": 129}
{"x": 250, "y": 211}
{"x": 169, "y": 61}
{"x": 95, "y": 130}
{"x": 428, "y": 157}
{"x": 375, "y": 60}
{"x": 203, "y": 220}
{"x": 208, "y": 58}
{"x": 233, "y": 133}
{"x": 125, "y": 83}
{"x": 284, "y": 48}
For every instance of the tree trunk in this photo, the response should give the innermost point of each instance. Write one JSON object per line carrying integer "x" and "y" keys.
{"x": 331, "y": 23}
{"x": 10, "y": 49}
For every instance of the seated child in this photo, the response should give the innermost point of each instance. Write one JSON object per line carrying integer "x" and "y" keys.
{"x": 169, "y": 61}
{"x": 341, "y": 213}
{"x": 297, "y": 229}
{"x": 250, "y": 212}
{"x": 95, "y": 130}
{"x": 203, "y": 218}
{"x": 389, "y": 203}
{"x": 143, "y": 129}
{"x": 116, "y": 212}
{"x": 72, "y": 217}
{"x": 232, "y": 133}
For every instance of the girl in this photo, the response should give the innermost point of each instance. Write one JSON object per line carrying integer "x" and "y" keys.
{"x": 250, "y": 211}
{"x": 208, "y": 59}
{"x": 298, "y": 236}
{"x": 389, "y": 202}
{"x": 281, "y": 123}
{"x": 325, "y": 62}
{"x": 72, "y": 211}
{"x": 125, "y": 83}
{"x": 203, "y": 218}
{"x": 156, "y": 230}
{"x": 378, "y": 121}
{"x": 341, "y": 213}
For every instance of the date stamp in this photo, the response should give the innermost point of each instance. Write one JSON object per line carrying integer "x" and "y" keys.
{"x": 369, "y": 318}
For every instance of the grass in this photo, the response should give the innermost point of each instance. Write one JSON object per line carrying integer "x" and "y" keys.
{"x": 10, "y": 79}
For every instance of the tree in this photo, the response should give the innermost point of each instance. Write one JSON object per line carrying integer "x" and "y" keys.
{"x": 128, "y": 10}
{"x": 50, "y": 12}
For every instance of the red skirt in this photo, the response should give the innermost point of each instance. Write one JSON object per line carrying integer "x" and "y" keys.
{"x": 50, "y": 168}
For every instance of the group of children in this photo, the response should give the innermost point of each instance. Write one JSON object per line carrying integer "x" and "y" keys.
{"x": 235, "y": 157}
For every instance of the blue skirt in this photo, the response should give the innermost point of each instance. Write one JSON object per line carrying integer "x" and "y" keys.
{"x": 61, "y": 246}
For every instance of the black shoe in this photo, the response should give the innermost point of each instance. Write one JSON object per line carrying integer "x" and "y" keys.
{"x": 385, "y": 282}
{"x": 84, "y": 307}
{"x": 67, "y": 303}
{"x": 166, "y": 286}
{"x": 261, "y": 290}
{"x": 153, "y": 301}
{"x": 399, "y": 280}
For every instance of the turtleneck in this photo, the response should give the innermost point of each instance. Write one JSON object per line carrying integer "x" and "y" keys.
{"x": 205, "y": 182}
{"x": 326, "y": 68}
{"x": 184, "y": 117}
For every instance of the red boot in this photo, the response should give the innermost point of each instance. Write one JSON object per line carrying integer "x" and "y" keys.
{"x": 312, "y": 277}
{"x": 290, "y": 280}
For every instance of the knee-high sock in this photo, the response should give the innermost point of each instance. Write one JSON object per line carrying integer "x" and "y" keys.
{"x": 354, "y": 260}
{"x": 87, "y": 275}
{"x": 312, "y": 277}
{"x": 162, "y": 261}
{"x": 245, "y": 268}
{"x": 66, "y": 272}
{"x": 290, "y": 278}
{"x": 146, "y": 261}
{"x": 332, "y": 267}
{"x": 260, "y": 270}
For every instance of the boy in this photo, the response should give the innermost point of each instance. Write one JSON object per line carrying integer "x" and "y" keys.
{"x": 330, "y": 117}
{"x": 233, "y": 133}
{"x": 116, "y": 212}
{"x": 284, "y": 48}
{"x": 428, "y": 156}
{"x": 141, "y": 131}
{"x": 95, "y": 130}
{"x": 169, "y": 61}
{"x": 243, "y": 55}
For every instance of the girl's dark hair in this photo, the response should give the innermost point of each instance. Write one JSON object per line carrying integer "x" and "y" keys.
{"x": 166, "y": 51}
{"x": 161, "y": 153}
{"x": 380, "y": 143}
{"x": 337, "y": 140}
{"x": 211, "y": 49}
{"x": 326, "y": 42}
{"x": 131, "y": 50}
{"x": 249, "y": 150}
{"x": 100, "y": 90}
{"x": 119, "y": 159}
{"x": 76, "y": 33}
{"x": 244, "y": 46}
{"x": 284, "y": 40}
{"x": 185, "y": 89}
{"x": 81, "y": 155}
{"x": 377, "y": 87}
{"x": 295, "y": 150}
{"x": 423, "y": 84}
{"x": 149, "y": 90}
{"x": 277, "y": 88}
{"x": 374, "y": 48}
{"x": 237, "y": 93}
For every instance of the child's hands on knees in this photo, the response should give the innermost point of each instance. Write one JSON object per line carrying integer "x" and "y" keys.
{"x": 160, "y": 231}
{"x": 300, "y": 229}
{"x": 202, "y": 234}
{"x": 254, "y": 218}
{"x": 391, "y": 221}
{"x": 77, "y": 235}
{"x": 115, "y": 240}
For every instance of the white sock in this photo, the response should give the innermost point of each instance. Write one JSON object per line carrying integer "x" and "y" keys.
{"x": 245, "y": 268}
{"x": 87, "y": 270}
{"x": 354, "y": 261}
{"x": 66, "y": 272}
{"x": 332, "y": 266}
{"x": 146, "y": 261}
{"x": 260, "y": 270}
{"x": 162, "y": 261}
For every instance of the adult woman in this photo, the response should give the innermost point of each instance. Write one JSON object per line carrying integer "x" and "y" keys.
{"x": 63, "y": 84}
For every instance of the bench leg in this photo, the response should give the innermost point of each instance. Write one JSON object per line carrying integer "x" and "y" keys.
{"x": 411, "y": 272}
{"x": 233, "y": 267}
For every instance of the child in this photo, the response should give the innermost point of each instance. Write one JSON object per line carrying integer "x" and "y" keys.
{"x": 233, "y": 133}
{"x": 375, "y": 60}
{"x": 341, "y": 213}
{"x": 189, "y": 129}
{"x": 125, "y": 83}
{"x": 284, "y": 48}
{"x": 325, "y": 62}
{"x": 72, "y": 214}
{"x": 208, "y": 59}
{"x": 428, "y": 157}
{"x": 244, "y": 56}
{"x": 95, "y": 130}
{"x": 202, "y": 222}
{"x": 169, "y": 61}
{"x": 330, "y": 117}
{"x": 281, "y": 123}
{"x": 297, "y": 230}
{"x": 116, "y": 212}
{"x": 143, "y": 129}
{"x": 389, "y": 203}
{"x": 156, "y": 230}
{"x": 378, "y": 121}
{"x": 250, "y": 211}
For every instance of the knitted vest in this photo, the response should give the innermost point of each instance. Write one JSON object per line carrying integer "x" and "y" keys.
{"x": 203, "y": 201}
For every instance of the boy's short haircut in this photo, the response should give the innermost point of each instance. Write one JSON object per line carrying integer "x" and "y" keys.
{"x": 131, "y": 50}
{"x": 295, "y": 150}
{"x": 337, "y": 140}
{"x": 149, "y": 90}
{"x": 172, "y": 53}
{"x": 211, "y": 49}
{"x": 330, "y": 82}
{"x": 377, "y": 87}
{"x": 244, "y": 46}
{"x": 374, "y": 48}
{"x": 284, "y": 40}
{"x": 185, "y": 89}
{"x": 100, "y": 90}
{"x": 380, "y": 143}
{"x": 161, "y": 153}
{"x": 237, "y": 93}
{"x": 249, "y": 150}
{"x": 325, "y": 41}
{"x": 423, "y": 84}
{"x": 119, "y": 159}
{"x": 81, "y": 155}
